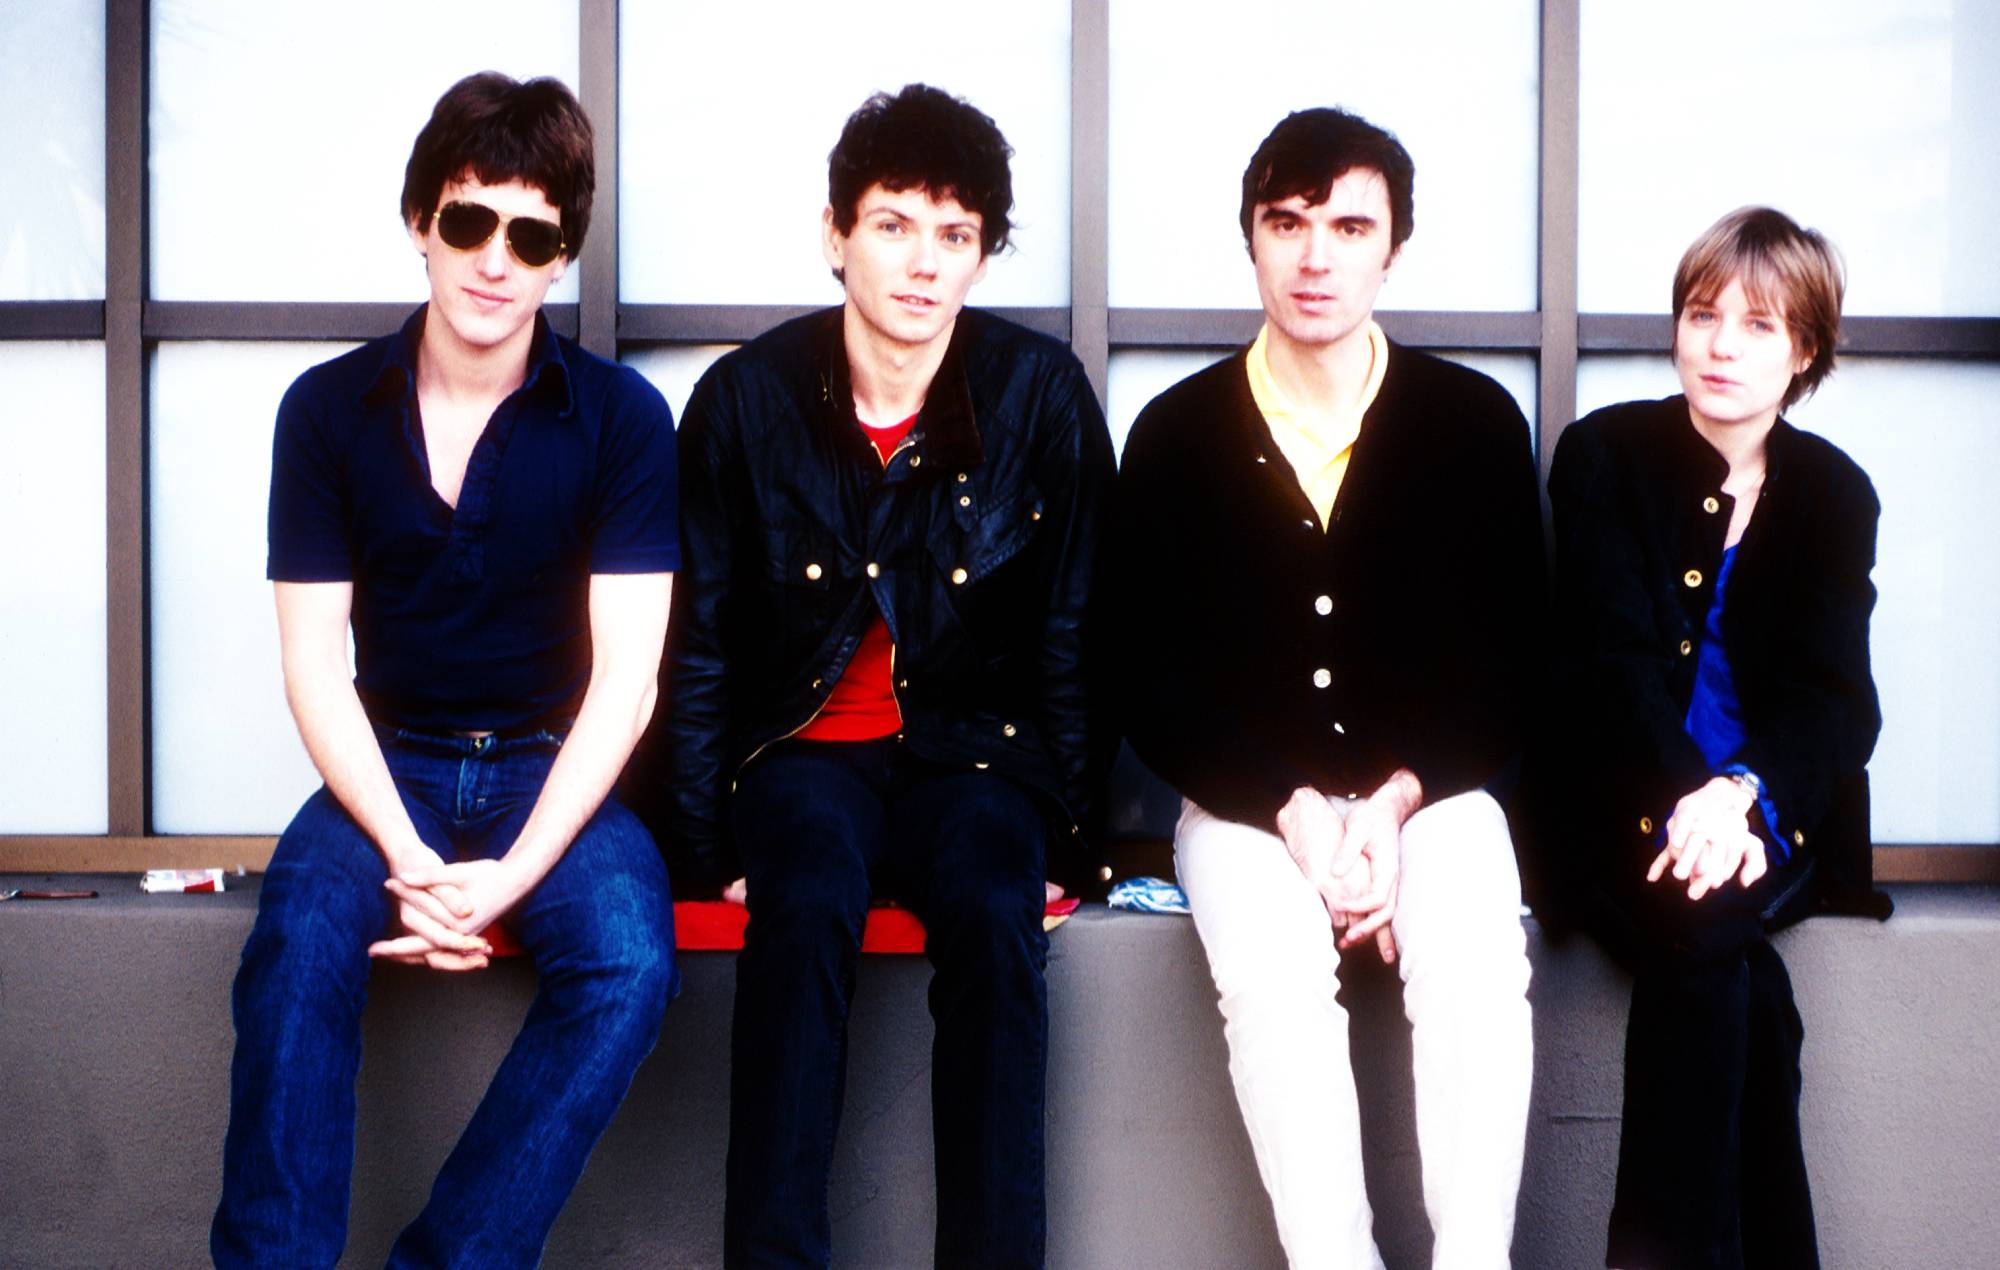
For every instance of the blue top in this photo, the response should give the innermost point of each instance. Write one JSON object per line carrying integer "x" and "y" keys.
{"x": 1715, "y": 716}
{"x": 473, "y": 619}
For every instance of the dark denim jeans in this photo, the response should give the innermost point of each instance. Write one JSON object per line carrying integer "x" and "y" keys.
{"x": 822, "y": 827}
{"x": 600, "y": 931}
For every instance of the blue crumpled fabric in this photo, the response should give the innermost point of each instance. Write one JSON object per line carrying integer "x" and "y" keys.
{"x": 1147, "y": 895}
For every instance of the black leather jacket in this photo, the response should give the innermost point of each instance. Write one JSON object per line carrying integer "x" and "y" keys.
{"x": 977, "y": 543}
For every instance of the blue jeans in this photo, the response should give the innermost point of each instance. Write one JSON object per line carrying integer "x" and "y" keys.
{"x": 599, "y": 928}
{"x": 822, "y": 827}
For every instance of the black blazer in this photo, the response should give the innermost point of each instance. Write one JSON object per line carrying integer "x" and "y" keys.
{"x": 1640, "y": 519}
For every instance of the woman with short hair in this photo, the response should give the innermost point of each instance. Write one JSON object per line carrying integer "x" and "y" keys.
{"x": 1715, "y": 712}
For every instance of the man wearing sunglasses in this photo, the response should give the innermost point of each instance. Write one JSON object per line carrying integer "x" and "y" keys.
{"x": 493, "y": 511}
{"x": 877, "y": 678}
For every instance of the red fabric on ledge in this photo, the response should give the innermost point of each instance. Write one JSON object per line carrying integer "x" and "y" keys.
{"x": 717, "y": 926}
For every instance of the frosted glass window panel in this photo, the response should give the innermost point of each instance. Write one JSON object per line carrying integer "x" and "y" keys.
{"x": 226, "y": 756}
{"x": 280, "y": 132}
{"x": 1928, "y": 434}
{"x": 1878, "y": 124}
{"x": 53, "y": 776}
{"x": 674, "y": 369}
{"x": 1195, "y": 86}
{"x": 1603, "y": 380}
{"x": 1133, "y": 377}
{"x": 1518, "y": 373}
{"x": 1136, "y": 376}
{"x": 727, "y": 113}
{"x": 52, "y": 196}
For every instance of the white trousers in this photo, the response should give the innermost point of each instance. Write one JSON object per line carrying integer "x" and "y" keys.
{"x": 1464, "y": 964}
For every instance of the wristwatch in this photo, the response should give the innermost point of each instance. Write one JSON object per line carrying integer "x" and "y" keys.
{"x": 1751, "y": 783}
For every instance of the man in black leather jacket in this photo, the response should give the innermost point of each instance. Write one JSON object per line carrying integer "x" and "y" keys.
{"x": 876, "y": 675}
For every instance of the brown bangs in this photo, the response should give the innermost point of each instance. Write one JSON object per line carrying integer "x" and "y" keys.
{"x": 1790, "y": 272}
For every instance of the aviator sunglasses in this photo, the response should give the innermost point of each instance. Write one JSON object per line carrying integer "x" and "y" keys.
{"x": 469, "y": 226}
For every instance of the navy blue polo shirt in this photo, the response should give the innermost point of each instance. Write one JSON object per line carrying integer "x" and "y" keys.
{"x": 473, "y": 619}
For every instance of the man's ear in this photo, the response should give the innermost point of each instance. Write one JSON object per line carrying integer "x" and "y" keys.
{"x": 420, "y": 238}
{"x": 832, "y": 243}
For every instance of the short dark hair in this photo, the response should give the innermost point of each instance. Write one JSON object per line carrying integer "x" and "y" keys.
{"x": 1311, "y": 149}
{"x": 924, "y": 138}
{"x": 500, "y": 129}
{"x": 1787, "y": 269}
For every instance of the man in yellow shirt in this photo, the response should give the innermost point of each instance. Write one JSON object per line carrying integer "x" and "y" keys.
{"x": 1329, "y": 570}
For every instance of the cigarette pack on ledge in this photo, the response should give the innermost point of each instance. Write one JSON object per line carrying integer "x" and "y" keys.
{"x": 182, "y": 880}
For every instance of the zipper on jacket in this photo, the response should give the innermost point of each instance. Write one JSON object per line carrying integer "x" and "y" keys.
{"x": 893, "y": 697}
{"x": 752, "y": 756}
{"x": 907, "y": 441}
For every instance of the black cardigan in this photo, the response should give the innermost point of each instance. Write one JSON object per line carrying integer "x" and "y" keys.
{"x": 1421, "y": 604}
{"x": 1640, "y": 519}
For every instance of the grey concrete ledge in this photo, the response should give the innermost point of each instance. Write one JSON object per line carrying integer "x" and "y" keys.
{"x": 115, "y": 1041}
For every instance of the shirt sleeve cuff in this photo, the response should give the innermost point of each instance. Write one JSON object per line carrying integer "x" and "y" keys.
{"x": 308, "y": 569}
{"x": 664, "y": 559}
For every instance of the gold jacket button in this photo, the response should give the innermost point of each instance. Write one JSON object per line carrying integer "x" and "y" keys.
{"x": 1687, "y": 646}
{"x": 1104, "y": 873}
{"x": 813, "y": 572}
{"x": 1645, "y": 824}
{"x": 1322, "y": 678}
{"x": 1035, "y": 514}
{"x": 874, "y": 570}
{"x": 1006, "y": 729}
{"x": 961, "y": 478}
{"x": 916, "y": 460}
{"x": 965, "y": 500}
{"x": 958, "y": 577}
{"x": 1798, "y": 837}
{"x": 1710, "y": 505}
{"x": 1323, "y": 605}
{"x": 981, "y": 765}
{"x": 1692, "y": 577}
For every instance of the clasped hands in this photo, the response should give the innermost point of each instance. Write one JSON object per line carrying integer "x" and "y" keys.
{"x": 444, "y": 907}
{"x": 1709, "y": 840}
{"x": 1352, "y": 854}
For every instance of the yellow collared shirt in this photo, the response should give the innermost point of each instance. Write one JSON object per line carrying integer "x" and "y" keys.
{"x": 1317, "y": 443}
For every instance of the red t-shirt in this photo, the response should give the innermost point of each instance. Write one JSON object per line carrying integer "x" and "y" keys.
{"x": 863, "y": 704}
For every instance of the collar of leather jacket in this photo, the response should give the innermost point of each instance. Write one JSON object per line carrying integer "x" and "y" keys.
{"x": 946, "y": 425}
